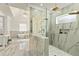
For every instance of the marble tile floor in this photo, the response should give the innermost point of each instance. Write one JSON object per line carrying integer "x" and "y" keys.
{"x": 53, "y": 51}
{"x": 20, "y": 48}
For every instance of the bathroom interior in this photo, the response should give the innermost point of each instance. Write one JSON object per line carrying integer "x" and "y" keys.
{"x": 39, "y": 29}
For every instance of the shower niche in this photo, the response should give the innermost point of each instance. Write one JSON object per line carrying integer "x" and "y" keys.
{"x": 64, "y": 31}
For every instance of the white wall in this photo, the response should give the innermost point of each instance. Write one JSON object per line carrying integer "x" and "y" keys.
{"x": 19, "y": 18}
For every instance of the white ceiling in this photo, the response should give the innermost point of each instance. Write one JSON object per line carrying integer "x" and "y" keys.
{"x": 51, "y": 5}
{"x": 6, "y": 9}
{"x": 45, "y": 5}
{"x": 19, "y": 5}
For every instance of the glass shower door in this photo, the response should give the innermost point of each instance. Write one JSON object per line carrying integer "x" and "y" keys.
{"x": 38, "y": 21}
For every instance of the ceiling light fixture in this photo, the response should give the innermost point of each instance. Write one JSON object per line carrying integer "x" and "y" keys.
{"x": 56, "y": 8}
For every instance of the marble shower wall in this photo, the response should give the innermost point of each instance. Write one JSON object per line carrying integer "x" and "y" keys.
{"x": 68, "y": 42}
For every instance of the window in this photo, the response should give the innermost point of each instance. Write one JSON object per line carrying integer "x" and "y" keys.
{"x": 65, "y": 18}
{"x": 1, "y": 25}
{"x": 22, "y": 27}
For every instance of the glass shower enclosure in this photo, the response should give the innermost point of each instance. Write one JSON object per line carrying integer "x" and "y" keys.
{"x": 39, "y": 21}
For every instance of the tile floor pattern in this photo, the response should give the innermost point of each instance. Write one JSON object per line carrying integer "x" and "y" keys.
{"x": 20, "y": 48}
{"x": 53, "y": 51}
{"x": 16, "y": 48}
